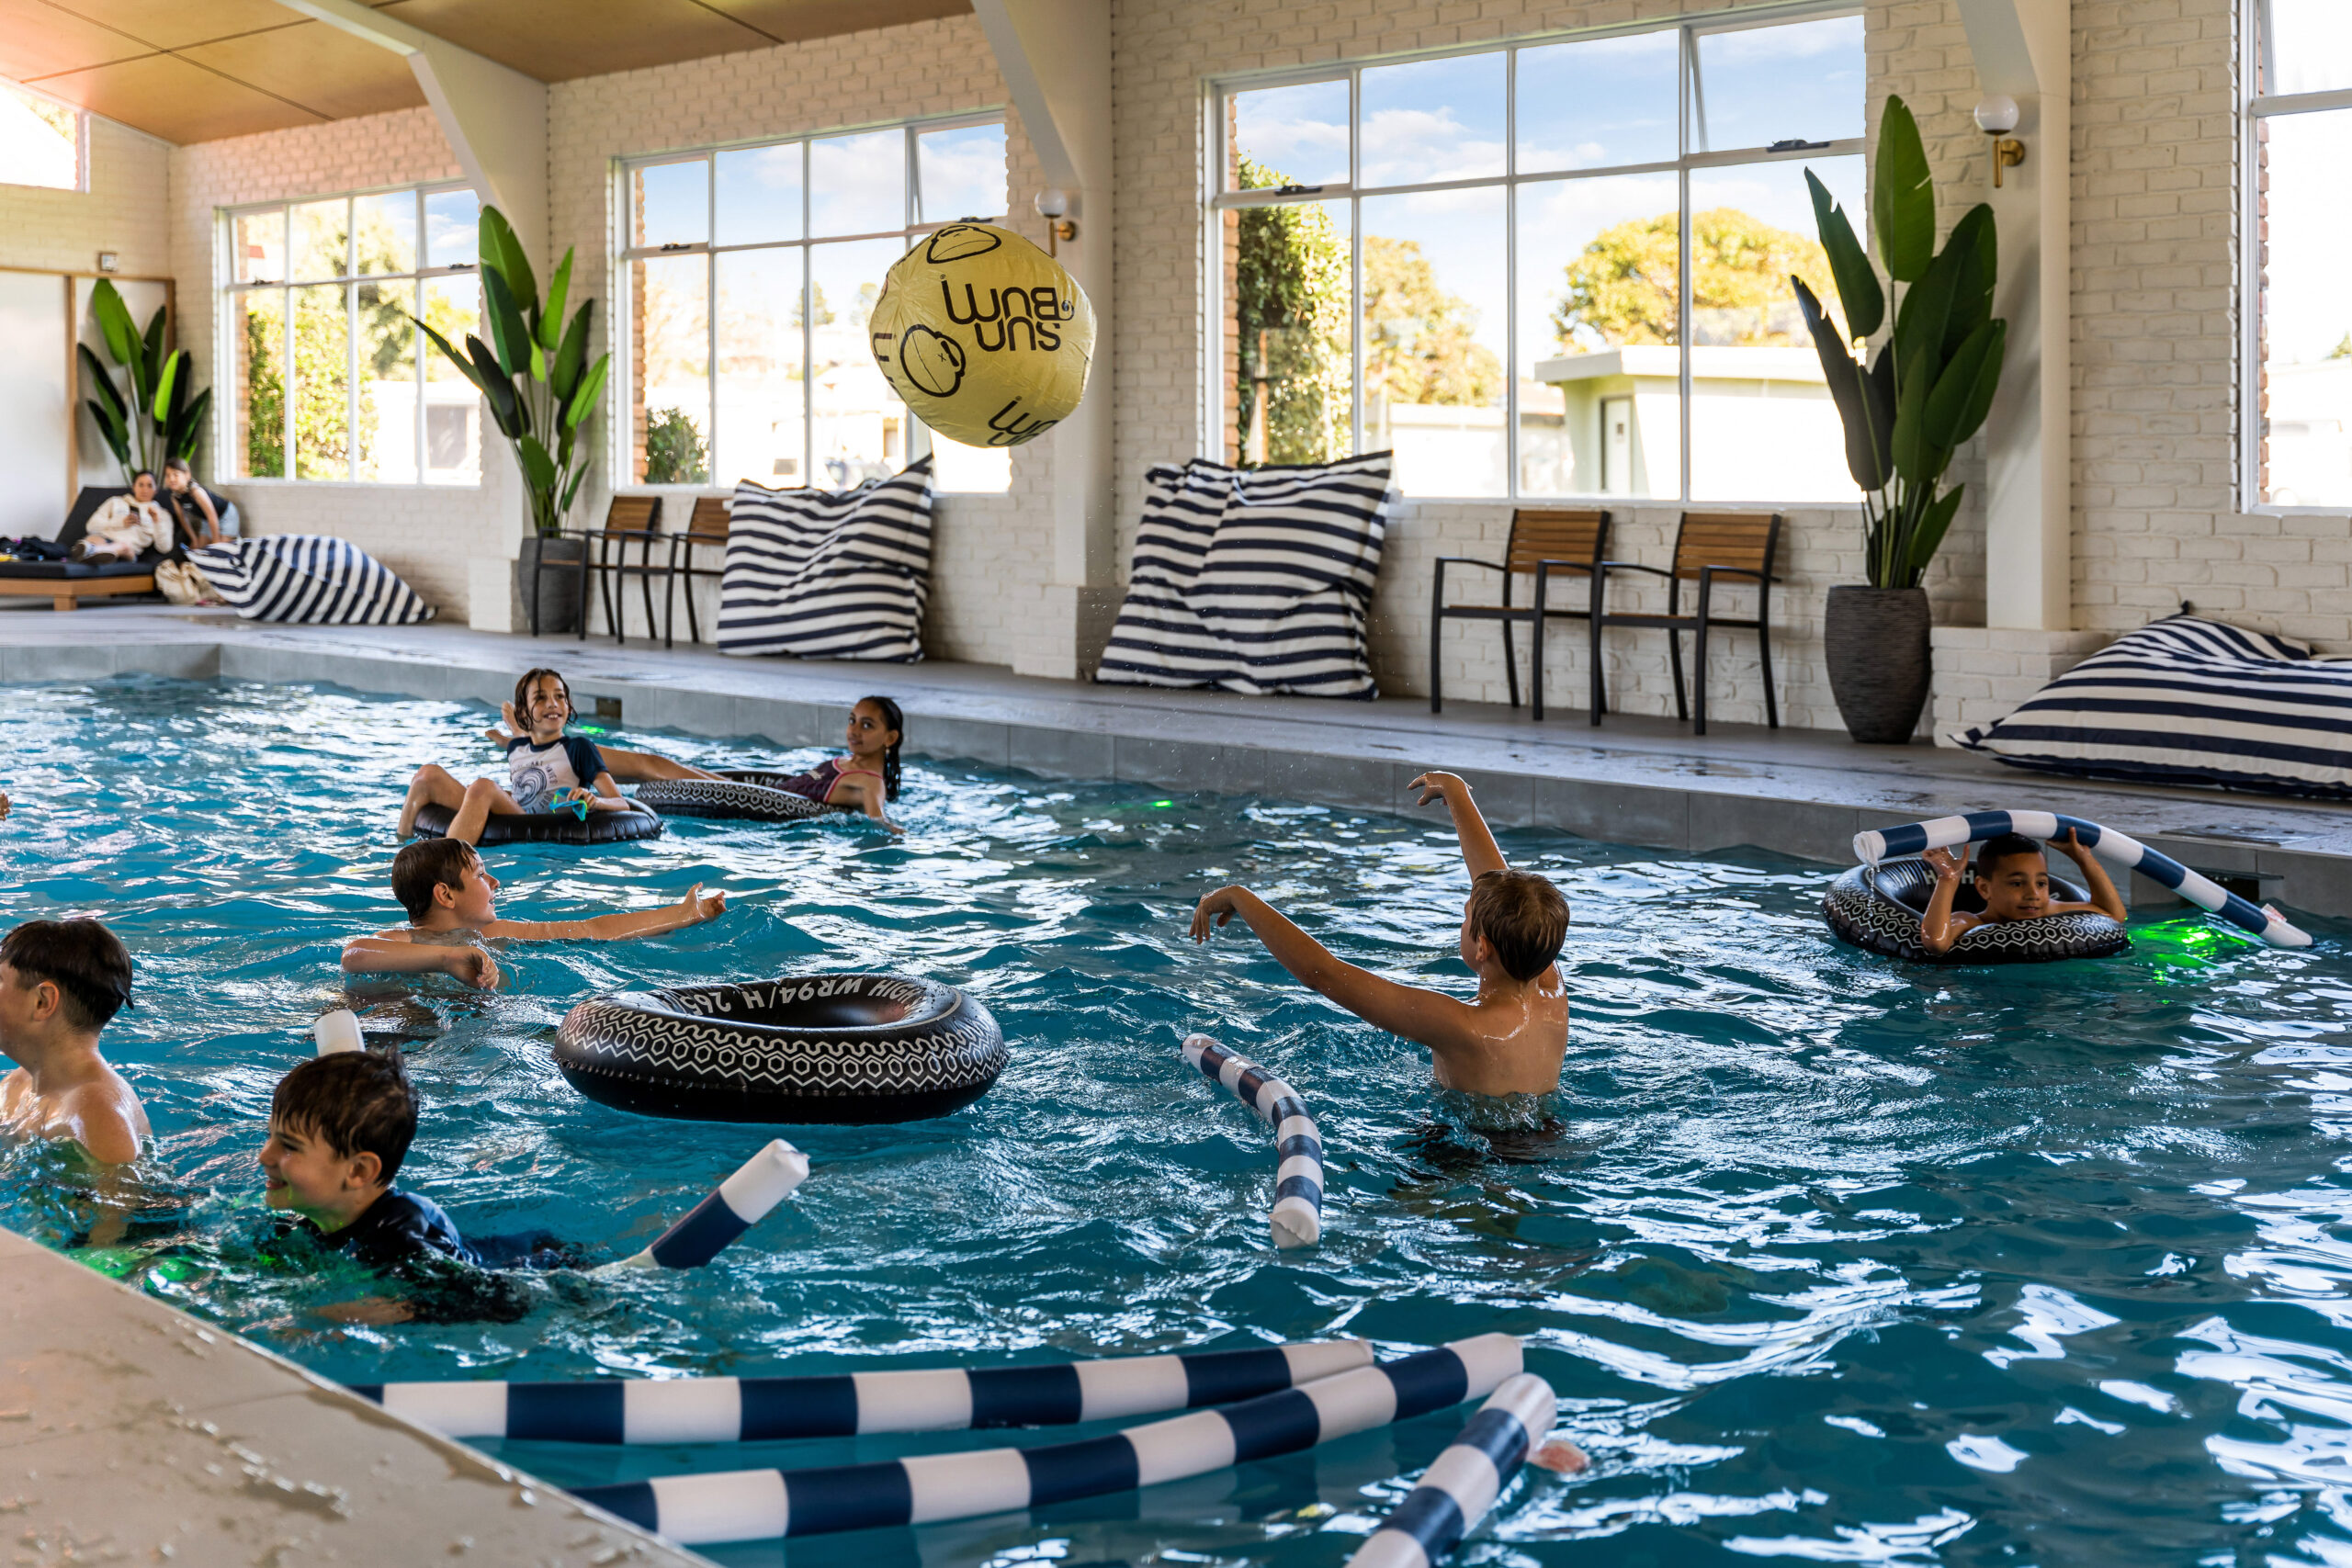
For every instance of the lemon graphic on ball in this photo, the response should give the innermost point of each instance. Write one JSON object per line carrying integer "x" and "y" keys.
{"x": 986, "y": 336}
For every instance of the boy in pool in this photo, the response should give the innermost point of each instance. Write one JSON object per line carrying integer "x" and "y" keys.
{"x": 60, "y": 981}
{"x": 451, "y": 903}
{"x": 339, "y": 1128}
{"x": 1510, "y": 1038}
{"x": 2013, "y": 878}
{"x": 547, "y": 768}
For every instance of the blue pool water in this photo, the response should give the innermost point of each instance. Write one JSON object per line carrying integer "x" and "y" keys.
{"x": 1828, "y": 1258}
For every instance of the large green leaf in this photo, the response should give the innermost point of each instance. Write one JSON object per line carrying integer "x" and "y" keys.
{"x": 583, "y": 401}
{"x": 538, "y": 469}
{"x": 1878, "y": 397}
{"x": 1963, "y": 393}
{"x": 563, "y": 370}
{"x": 559, "y": 289}
{"x": 572, "y": 489}
{"x": 507, "y": 329}
{"x": 1858, "y": 286}
{"x": 1903, "y": 197}
{"x": 1916, "y": 460}
{"x": 110, "y": 426}
{"x": 153, "y": 358}
{"x": 1920, "y": 323}
{"x": 1975, "y": 254}
{"x": 115, "y": 324}
{"x": 513, "y": 419}
{"x": 101, "y": 381}
{"x": 187, "y": 432}
{"x": 502, "y": 254}
{"x": 1929, "y": 536}
{"x": 1845, "y": 379}
{"x": 164, "y": 383}
{"x": 449, "y": 351}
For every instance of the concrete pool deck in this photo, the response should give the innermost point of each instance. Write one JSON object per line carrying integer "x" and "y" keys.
{"x": 130, "y": 1432}
{"x": 1641, "y": 782}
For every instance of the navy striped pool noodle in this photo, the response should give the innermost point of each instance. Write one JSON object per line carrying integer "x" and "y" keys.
{"x": 1456, "y": 1490}
{"x": 764, "y": 1503}
{"x": 1297, "y": 1217}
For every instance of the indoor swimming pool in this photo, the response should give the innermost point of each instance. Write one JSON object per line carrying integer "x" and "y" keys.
{"x": 1830, "y": 1258}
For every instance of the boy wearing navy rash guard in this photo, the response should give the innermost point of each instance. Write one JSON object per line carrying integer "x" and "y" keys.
{"x": 339, "y": 1128}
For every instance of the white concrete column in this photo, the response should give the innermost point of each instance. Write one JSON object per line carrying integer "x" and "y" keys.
{"x": 2023, "y": 49}
{"x": 1056, "y": 57}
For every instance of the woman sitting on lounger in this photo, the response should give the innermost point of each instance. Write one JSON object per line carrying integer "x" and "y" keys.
{"x": 126, "y": 525}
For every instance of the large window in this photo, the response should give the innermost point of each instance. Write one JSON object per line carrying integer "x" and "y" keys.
{"x": 328, "y": 378}
{"x": 2298, "y": 359}
{"x": 42, "y": 142}
{"x": 1492, "y": 261}
{"x": 751, "y": 272}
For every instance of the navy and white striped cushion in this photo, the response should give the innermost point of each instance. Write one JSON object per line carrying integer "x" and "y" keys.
{"x": 309, "y": 578}
{"x": 2191, "y": 701}
{"x": 828, "y": 574}
{"x": 1274, "y": 599}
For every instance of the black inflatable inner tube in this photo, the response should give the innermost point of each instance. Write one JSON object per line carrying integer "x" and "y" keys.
{"x": 738, "y": 796}
{"x": 548, "y": 827}
{"x": 1879, "y": 909}
{"x": 828, "y": 1048}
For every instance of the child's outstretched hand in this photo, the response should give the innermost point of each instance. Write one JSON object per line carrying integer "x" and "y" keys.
{"x": 1435, "y": 785}
{"x": 1214, "y": 910}
{"x": 700, "y": 905}
{"x": 3, "y": 805}
{"x": 1946, "y": 864}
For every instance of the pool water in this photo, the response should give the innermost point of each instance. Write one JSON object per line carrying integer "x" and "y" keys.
{"x": 1828, "y": 1258}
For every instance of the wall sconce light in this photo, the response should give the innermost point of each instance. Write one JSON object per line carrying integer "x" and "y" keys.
{"x": 1051, "y": 205}
{"x": 1997, "y": 116}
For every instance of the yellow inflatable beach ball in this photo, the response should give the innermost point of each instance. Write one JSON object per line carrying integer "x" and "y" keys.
{"x": 984, "y": 336}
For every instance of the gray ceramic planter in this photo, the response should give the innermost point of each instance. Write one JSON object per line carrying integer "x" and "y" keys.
{"x": 1875, "y": 641}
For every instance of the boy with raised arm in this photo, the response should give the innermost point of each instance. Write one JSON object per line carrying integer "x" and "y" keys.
{"x": 61, "y": 982}
{"x": 451, "y": 901}
{"x": 2013, "y": 878}
{"x": 1510, "y": 1038}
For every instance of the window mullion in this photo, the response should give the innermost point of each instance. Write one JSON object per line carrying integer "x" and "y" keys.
{"x": 808, "y": 326}
{"x": 1683, "y": 281}
{"x": 709, "y": 316}
{"x": 1511, "y": 275}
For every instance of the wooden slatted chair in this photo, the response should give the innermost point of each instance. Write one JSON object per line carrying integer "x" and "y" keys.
{"x": 1541, "y": 542}
{"x": 630, "y": 520}
{"x": 1708, "y": 545}
{"x": 706, "y": 528}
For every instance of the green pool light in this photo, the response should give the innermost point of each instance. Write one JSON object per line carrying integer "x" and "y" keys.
{"x": 1162, "y": 805}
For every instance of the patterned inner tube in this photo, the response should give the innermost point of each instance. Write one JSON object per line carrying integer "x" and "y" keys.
{"x": 549, "y": 826}
{"x": 740, "y": 797}
{"x": 830, "y": 1048}
{"x": 1879, "y": 909}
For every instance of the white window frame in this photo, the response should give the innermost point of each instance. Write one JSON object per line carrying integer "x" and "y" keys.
{"x": 2255, "y": 107}
{"x": 623, "y": 315}
{"x": 1217, "y": 201}
{"x": 229, "y": 320}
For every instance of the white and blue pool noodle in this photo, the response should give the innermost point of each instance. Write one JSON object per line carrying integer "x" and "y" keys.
{"x": 847, "y": 1404}
{"x": 2117, "y": 849}
{"x": 1455, "y": 1492}
{"x": 1296, "y": 1219}
{"x": 766, "y": 1504}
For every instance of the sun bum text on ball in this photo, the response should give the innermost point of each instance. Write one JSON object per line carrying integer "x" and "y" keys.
{"x": 1041, "y": 310}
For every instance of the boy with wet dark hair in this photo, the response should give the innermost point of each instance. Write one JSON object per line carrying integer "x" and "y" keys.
{"x": 340, "y": 1127}
{"x": 450, "y": 899}
{"x": 61, "y": 982}
{"x": 2013, "y": 878}
{"x": 1511, "y": 1037}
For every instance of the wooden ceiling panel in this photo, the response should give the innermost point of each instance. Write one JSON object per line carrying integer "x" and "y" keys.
{"x": 38, "y": 40}
{"x": 558, "y": 40}
{"x": 792, "y": 21}
{"x": 317, "y": 67}
{"x": 168, "y": 24}
{"x": 165, "y": 96}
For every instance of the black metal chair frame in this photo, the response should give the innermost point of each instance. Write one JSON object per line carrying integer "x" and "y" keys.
{"x": 684, "y": 543}
{"x": 1506, "y": 615}
{"x": 1675, "y": 623}
{"x": 611, "y": 560}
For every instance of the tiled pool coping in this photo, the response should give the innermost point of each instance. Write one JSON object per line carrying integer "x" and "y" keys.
{"x": 131, "y": 1432}
{"x": 1641, "y": 782}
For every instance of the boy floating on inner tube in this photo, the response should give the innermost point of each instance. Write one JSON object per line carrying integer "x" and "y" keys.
{"x": 1510, "y": 1038}
{"x": 451, "y": 903}
{"x": 2013, "y": 878}
{"x": 547, "y": 768}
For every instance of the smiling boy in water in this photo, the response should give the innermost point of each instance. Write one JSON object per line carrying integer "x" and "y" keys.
{"x": 451, "y": 900}
{"x": 2013, "y": 878}
{"x": 1510, "y": 1038}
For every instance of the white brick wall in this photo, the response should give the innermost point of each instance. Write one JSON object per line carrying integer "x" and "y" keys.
{"x": 123, "y": 210}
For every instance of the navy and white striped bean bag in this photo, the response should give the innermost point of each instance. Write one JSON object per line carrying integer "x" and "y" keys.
{"x": 1273, "y": 598}
{"x": 310, "y": 579}
{"x": 2190, "y": 701}
{"x": 828, "y": 574}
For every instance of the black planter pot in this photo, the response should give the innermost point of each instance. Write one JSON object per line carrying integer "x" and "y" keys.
{"x": 1876, "y": 643}
{"x": 548, "y": 575}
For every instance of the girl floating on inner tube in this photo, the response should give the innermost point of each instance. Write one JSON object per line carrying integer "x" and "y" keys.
{"x": 2013, "y": 878}
{"x": 547, "y": 768}
{"x": 867, "y": 779}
